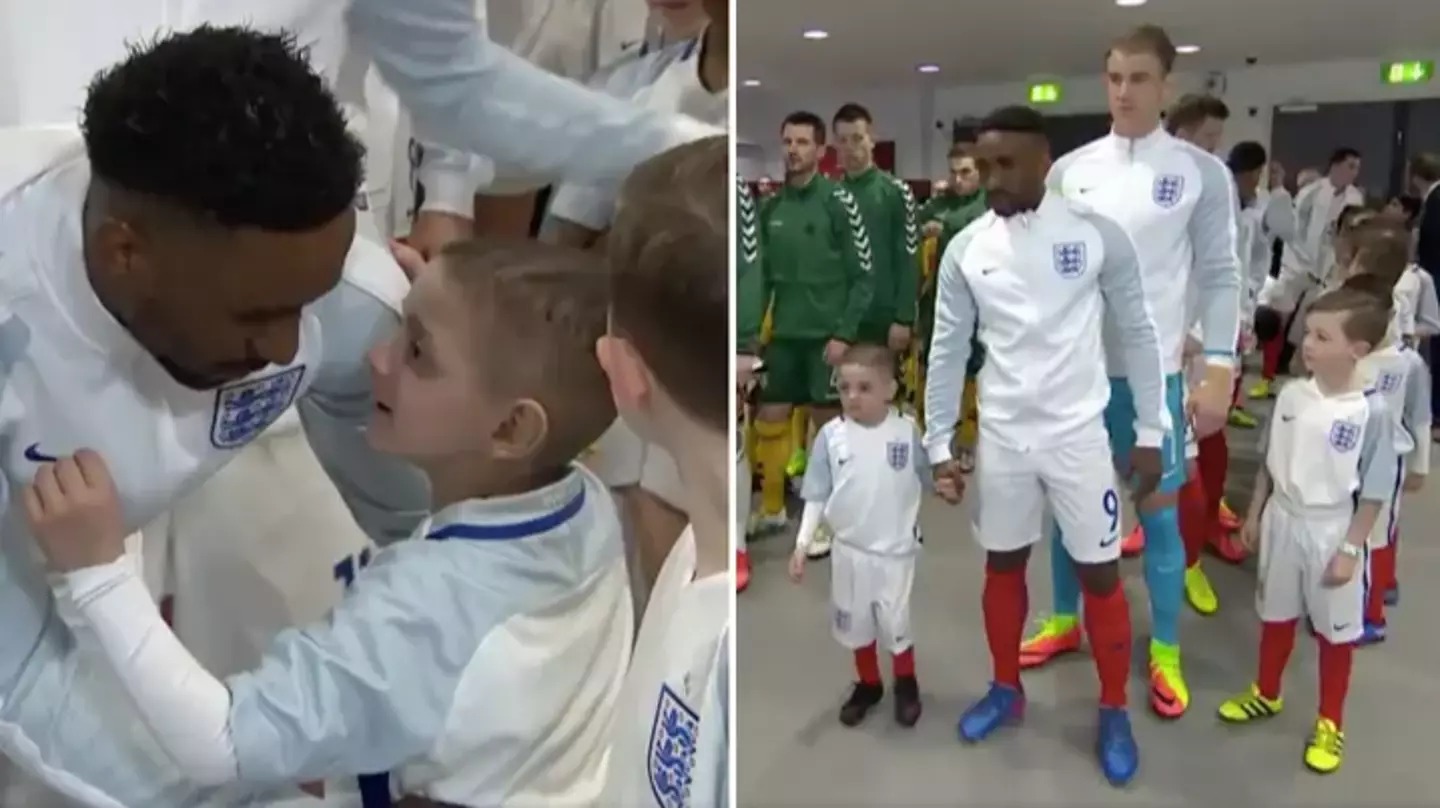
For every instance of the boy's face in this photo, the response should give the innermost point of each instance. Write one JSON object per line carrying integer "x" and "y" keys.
{"x": 1326, "y": 349}
{"x": 865, "y": 393}
{"x": 429, "y": 400}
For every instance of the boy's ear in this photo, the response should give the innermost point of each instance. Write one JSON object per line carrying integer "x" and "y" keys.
{"x": 522, "y": 432}
{"x": 629, "y": 377}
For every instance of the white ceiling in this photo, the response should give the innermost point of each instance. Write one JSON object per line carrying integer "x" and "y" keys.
{"x": 874, "y": 43}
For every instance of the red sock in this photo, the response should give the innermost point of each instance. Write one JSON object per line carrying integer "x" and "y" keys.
{"x": 1214, "y": 463}
{"x": 1277, "y": 640}
{"x": 1107, "y": 621}
{"x": 903, "y": 663}
{"x": 1270, "y": 352}
{"x": 1382, "y": 577}
{"x": 1194, "y": 520}
{"x": 1335, "y": 664}
{"x": 1005, "y": 603}
{"x": 867, "y": 665}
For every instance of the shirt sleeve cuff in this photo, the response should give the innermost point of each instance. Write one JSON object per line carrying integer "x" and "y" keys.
{"x": 451, "y": 188}
{"x": 1148, "y": 437}
{"x": 939, "y": 451}
{"x": 1220, "y": 359}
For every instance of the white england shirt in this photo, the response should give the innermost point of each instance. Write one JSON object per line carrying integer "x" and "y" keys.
{"x": 672, "y": 724}
{"x": 869, "y": 479}
{"x": 1399, "y": 375}
{"x": 1179, "y": 204}
{"x": 1322, "y": 451}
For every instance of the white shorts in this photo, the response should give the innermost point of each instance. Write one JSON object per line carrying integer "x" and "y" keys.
{"x": 1073, "y": 480}
{"x": 870, "y": 598}
{"x": 1295, "y": 550}
{"x": 1283, "y": 293}
{"x": 1387, "y": 524}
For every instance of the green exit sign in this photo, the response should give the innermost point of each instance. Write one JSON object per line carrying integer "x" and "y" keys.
{"x": 1408, "y": 72}
{"x": 1046, "y": 93}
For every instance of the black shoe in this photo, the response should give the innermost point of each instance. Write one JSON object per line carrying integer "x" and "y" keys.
{"x": 862, "y": 698}
{"x": 907, "y": 701}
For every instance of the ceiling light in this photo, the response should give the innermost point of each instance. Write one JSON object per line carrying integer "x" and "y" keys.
{"x": 1129, "y": 3}
{"x": 928, "y": 68}
{"x": 1187, "y": 49}
{"x": 816, "y": 34}
{"x": 752, "y": 82}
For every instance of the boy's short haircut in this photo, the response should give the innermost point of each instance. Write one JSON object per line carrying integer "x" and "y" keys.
{"x": 1367, "y": 314}
{"x": 537, "y": 311}
{"x": 1382, "y": 248}
{"x": 876, "y": 357}
{"x": 669, "y": 256}
{"x": 1151, "y": 39}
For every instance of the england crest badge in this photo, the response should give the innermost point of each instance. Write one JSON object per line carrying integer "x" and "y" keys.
{"x": 1169, "y": 189}
{"x": 1070, "y": 259}
{"x": 1344, "y": 436}
{"x": 1388, "y": 382}
{"x": 673, "y": 738}
{"x": 897, "y": 454}
{"x": 246, "y": 408}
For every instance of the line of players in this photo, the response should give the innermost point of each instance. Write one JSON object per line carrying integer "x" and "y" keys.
{"x": 187, "y": 263}
{"x": 1152, "y": 235}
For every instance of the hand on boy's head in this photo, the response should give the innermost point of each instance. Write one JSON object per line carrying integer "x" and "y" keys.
{"x": 74, "y": 512}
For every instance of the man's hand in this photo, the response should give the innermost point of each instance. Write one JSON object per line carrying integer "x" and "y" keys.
{"x": 409, "y": 258}
{"x": 1209, "y": 408}
{"x": 1277, "y": 174}
{"x": 1145, "y": 471}
{"x": 1414, "y": 482}
{"x": 932, "y": 229}
{"x": 835, "y": 351}
{"x": 434, "y": 230}
{"x": 745, "y": 365}
{"x": 1250, "y": 533}
{"x": 899, "y": 338}
{"x": 797, "y": 565}
{"x": 74, "y": 513}
{"x": 949, "y": 481}
{"x": 1191, "y": 349}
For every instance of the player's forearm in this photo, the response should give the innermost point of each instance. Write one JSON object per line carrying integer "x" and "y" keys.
{"x": 857, "y": 302}
{"x": 466, "y": 91}
{"x": 945, "y": 367}
{"x": 186, "y": 709}
{"x": 1124, "y": 294}
{"x": 1362, "y": 522}
{"x": 1260, "y": 495}
{"x": 1216, "y": 271}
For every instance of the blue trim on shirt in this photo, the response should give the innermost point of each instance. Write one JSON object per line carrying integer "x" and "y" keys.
{"x": 514, "y": 530}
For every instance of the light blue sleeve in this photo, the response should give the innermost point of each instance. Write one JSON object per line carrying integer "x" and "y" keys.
{"x": 955, "y": 320}
{"x": 463, "y": 90}
{"x": 592, "y": 205}
{"x": 1417, "y": 417}
{"x": 1427, "y": 311}
{"x": 371, "y": 687}
{"x": 1378, "y": 461}
{"x": 818, "y": 482}
{"x": 387, "y": 496}
{"x": 1124, "y": 295}
{"x": 1215, "y": 272}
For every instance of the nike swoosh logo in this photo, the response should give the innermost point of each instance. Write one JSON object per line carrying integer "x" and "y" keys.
{"x": 1287, "y": 418}
{"x": 990, "y": 271}
{"x": 1110, "y": 541}
{"x": 1340, "y": 627}
{"x": 34, "y": 455}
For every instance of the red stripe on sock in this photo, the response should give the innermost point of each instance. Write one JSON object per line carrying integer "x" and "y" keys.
{"x": 1336, "y": 662}
{"x": 1107, "y": 622}
{"x": 1382, "y": 577}
{"x": 1277, "y": 640}
{"x": 867, "y": 665}
{"x": 1194, "y": 521}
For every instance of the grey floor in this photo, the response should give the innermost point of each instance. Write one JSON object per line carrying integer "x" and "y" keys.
{"x": 792, "y": 678}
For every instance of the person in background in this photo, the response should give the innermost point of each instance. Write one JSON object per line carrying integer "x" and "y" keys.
{"x": 818, "y": 273}
{"x": 1178, "y": 203}
{"x": 460, "y": 194}
{"x": 942, "y": 217}
{"x": 750, "y": 306}
{"x": 1198, "y": 119}
{"x": 888, "y": 210}
{"x": 1308, "y": 256}
{"x": 1424, "y": 178}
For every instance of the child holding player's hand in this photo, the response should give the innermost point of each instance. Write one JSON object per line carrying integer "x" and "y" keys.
{"x": 867, "y": 470}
